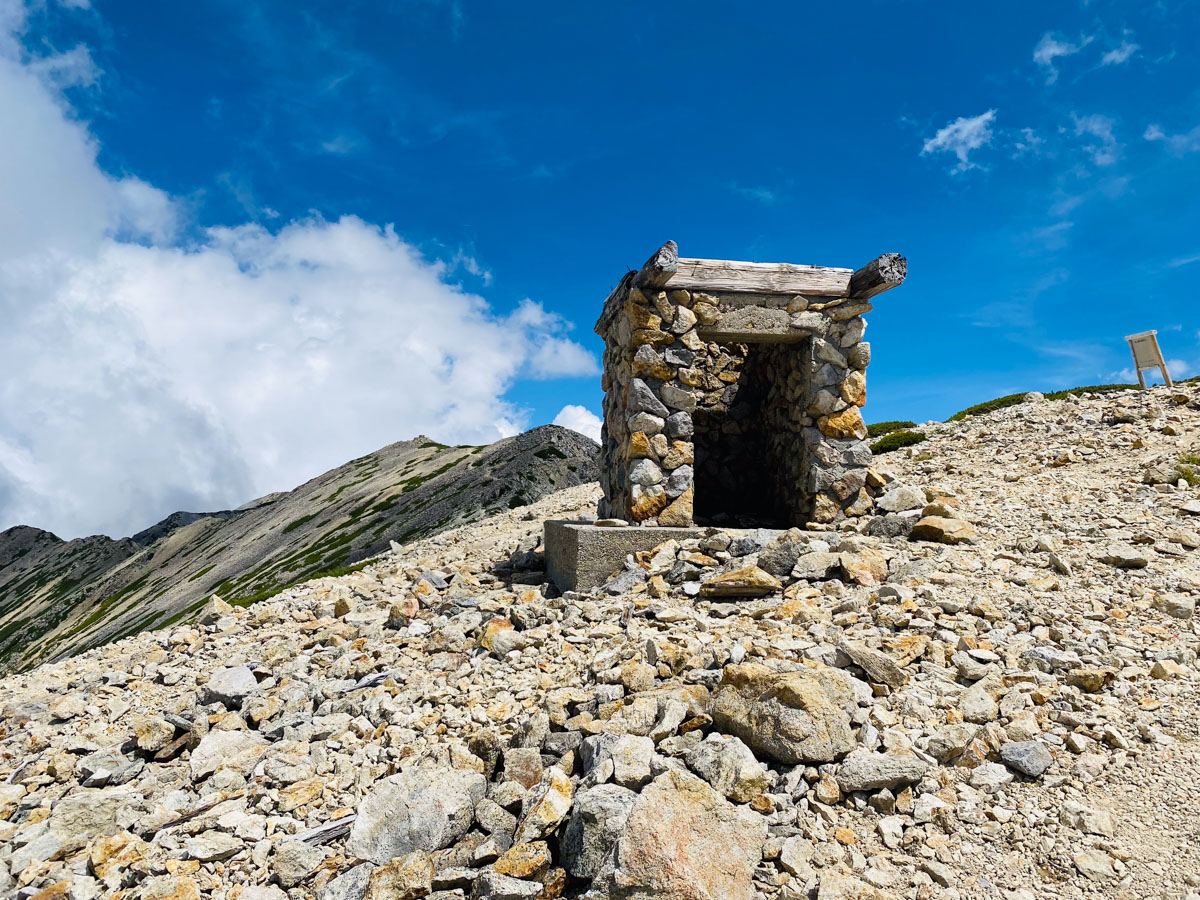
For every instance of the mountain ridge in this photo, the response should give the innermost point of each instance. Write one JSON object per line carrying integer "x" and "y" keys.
{"x": 59, "y": 597}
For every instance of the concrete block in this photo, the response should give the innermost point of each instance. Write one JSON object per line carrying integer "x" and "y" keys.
{"x": 581, "y": 556}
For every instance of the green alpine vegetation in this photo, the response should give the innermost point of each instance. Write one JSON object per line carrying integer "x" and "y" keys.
{"x": 897, "y": 440}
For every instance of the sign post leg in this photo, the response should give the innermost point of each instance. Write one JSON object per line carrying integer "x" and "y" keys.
{"x": 1162, "y": 366}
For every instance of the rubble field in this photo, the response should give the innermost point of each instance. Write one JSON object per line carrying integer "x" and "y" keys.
{"x": 986, "y": 689}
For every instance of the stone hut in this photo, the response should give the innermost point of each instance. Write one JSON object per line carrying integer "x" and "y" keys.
{"x": 732, "y": 392}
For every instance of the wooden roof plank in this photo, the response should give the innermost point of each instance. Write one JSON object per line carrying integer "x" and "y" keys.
{"x": 758, "y": 278}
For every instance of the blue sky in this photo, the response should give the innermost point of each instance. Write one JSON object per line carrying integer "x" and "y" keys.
{"x": 271, "y": 221}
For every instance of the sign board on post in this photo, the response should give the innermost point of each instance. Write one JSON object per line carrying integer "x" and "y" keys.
{"x": 1146, "y": 355}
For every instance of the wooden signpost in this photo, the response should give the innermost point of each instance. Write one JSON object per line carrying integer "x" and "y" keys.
{"x": 1146, "y": 355}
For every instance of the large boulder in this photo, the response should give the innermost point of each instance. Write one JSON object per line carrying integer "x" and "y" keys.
{"x": 864, "y": 770}
{"x": 779, "y": 557}
{"x": 1030, "y": 758}
{"x": 793, "y": 717}
{"x": 351, "y": 885}
{"x": 84, "y": 814}
{"x": 901, "y": 498}
{"x": 817, "y": 565}
{"x": 1123, "y": 556}
{"x": 597, "y": 818}
{"x": 230, "y": 686}
{"x": 294, "y": 860}
{"x": 407, "y": 877}
{"x": 728, "y": 765}
{"x": 209, "y": 846}
{"x": 684, "y": 841}
{"x": 545, "y": 807}
{"x": 425, "y": 808}
{"x": 879, "y": 667}
{"x": 240, "y": 750}
{"x": 494, "y": 886}
{"x": 943, "y": 530}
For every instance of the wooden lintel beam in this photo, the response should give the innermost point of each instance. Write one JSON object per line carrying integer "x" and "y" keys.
{"x": 878, "y": 275}
{"x": 758, "y": 278}
{"x": 660, "y": 267}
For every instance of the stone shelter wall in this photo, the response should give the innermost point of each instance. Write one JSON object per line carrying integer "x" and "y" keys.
{"x": 733, "y": 408}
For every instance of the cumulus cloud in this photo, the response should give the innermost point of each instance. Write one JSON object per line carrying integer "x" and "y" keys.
{"x": 1050, "y": 48}
{"x": 141, "y": 212}
{"x": 581, "y": 419}
{"x": 961, "y": 137}
{"x": 145, "y": 374}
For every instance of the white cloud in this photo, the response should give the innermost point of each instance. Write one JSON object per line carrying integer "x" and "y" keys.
{"x": 1118, "y": 55}
{"x": 1050, "y": 48}
{"x": 555, "y": 356}
{"x": 1178, "y": 144}
{"x": 72, "y": 68}
{"x": 764, "y": 195}
{"x": 1065, "y": 203}
{"x": 54, "y": 193}
{"x": 141, "y": 212}
{"x": 1184, "y": 261}
{"x": 1029, "y": 143}
{"x": 341, "y": 145}
{"x": 962, "y": 136}
{"x": 1052, "y": 237}
{"x": 1177, "y": 368}
{"x": 559, "y": 357}
{"x": 1105, "y": 149}
{"x": 581, "y": 419}
{"x": 471, "y": 266}
{"x": 142, "y": 375}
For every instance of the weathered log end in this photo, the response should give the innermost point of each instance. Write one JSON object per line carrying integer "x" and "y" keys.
{"x": 878, "y": 275}
{"x": 660, "y": 267}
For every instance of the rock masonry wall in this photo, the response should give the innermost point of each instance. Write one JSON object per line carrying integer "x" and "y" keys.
{"x": 782, "y": 373}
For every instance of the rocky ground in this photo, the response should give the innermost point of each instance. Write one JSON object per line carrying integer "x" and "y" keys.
{"x": 988, "y": 690}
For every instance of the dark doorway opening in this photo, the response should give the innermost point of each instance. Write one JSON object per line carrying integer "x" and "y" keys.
{"x": 741, "y": 442}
